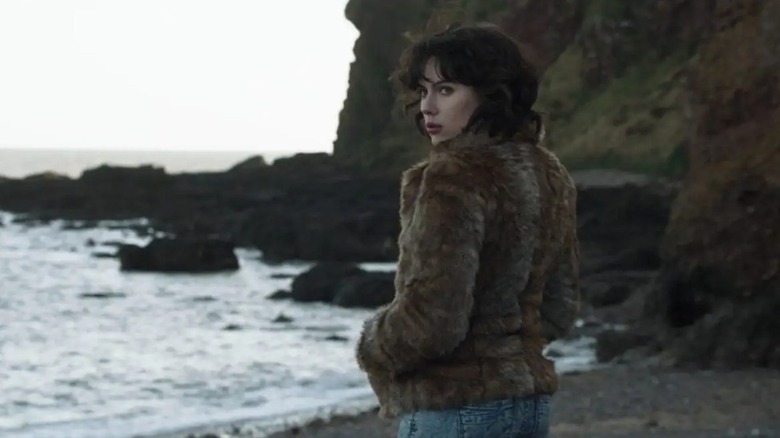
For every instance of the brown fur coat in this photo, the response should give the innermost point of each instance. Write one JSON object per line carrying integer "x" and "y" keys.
{"x": 487, "y": 275}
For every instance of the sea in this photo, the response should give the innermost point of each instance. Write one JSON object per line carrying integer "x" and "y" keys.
{"x": 90, "y": 351}
{"x": 19, "y": 162}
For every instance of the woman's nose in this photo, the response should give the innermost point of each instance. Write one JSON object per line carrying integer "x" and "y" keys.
{"x": 427, "y": 106}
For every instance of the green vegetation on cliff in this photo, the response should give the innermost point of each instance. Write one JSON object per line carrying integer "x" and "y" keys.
{"x": 634, "y": 122}
{"x": 613, "y": 90}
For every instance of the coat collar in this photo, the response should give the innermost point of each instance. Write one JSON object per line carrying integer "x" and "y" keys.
{"x": 481, "y": 139}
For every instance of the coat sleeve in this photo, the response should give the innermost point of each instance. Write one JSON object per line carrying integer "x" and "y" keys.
{"x": 561, "y": 299}
{"x": 430, "y": 315}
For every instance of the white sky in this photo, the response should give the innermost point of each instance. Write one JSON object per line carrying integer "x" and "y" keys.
{"x": 256, "y": 75}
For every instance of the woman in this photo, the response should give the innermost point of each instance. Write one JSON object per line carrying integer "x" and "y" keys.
{"x": 488, "y": 266}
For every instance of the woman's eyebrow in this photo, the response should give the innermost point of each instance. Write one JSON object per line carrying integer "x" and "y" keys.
{"x": 434, "y": 84}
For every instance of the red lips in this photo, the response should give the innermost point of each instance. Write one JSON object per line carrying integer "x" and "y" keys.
{"x": 432, "y": 128}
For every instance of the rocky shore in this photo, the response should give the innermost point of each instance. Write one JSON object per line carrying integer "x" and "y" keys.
{"x": 313, "y": 208}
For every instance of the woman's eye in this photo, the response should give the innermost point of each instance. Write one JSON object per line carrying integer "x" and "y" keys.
{"x": 423, "y": 92}
{"x": 446, "y": 90}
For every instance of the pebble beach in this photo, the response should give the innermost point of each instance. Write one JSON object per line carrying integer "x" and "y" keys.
{"x": 629, "y": 401}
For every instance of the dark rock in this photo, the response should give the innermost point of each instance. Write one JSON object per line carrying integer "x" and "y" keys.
{"x": 699, "y": 325}
{"x": 114, "y": 243}
{"x": 46, "y": 176}
{"x": 553, "y": 353}
{"x": 281, "y": 295}
{"x": 232, "y": 328}
{"x": 282, "y": 318}
{"x": 337, "y": 338}
{"x": 79, "y": 225}
{"x": 320, "y": 283}
{"x": 628, "y": 313}
{"x": 204, "y": 299}
{"x": 34, "y": 220}
{"x": 105, "y": 255}
{"x": 307, "y": 207}
{"x": 610, "y": 288}
{"x": 320, "y": 163}
{"x": 602, "y": 294}
{"x": 251, "y": 164}
{"x": 179, "y": 255}
{"x": 102, "y": 295}
{"x": 637, "y": 258}
{"x": 366, "y": 290}
{"x": 282, "y": 276}
{"x": 327, "y": 211}
{"x": 347, "y": 219}
{"x": 642, "y": 255}
{"x": 118, "y": 176}
{"x": 625, "y": 214}
{"x": 613, "y": 343}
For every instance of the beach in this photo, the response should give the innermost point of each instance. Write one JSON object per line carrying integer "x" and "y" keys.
{"x": 629, "y": 401}
{"x": 643, "y": 398}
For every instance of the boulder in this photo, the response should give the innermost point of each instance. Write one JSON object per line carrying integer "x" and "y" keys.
{"x": 102, "y": 295}
{"x": 640, "y": 255}
{"x": 251, "y": 164}
{"x": 280, "y": 295}
{"x": 345, "y": 285}
{"x": 613, "y": 287}
{"x": 179, "y": 255}
{"x": 625, "y": 214}
{"x": 367, "y": 290}
{"x": 611, "y": 344}
{"x": 320, "y": 283}
{"x": 337, "y": 218}
{"x": 282, "y": 319}
{"x": 46, "y": 176}
{"x": 146, "y": 176}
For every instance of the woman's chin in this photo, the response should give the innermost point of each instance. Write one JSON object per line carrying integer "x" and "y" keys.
{"x": 438, "y": 138}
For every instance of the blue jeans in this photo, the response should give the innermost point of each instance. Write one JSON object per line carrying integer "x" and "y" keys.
{"x": 527, "y": 417}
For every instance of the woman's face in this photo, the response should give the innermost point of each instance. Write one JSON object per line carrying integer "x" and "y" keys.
{"x": 446, "y": 106}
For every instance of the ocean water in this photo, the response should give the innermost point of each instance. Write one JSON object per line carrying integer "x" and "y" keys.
{"x": 18, "y": 163}
{"x": 165, "y": 352}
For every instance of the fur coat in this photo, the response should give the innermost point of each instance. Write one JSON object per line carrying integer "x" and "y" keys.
{"x": 487, "y": 276}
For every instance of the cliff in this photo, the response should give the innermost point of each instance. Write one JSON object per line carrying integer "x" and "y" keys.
{"x": 369, "y": 132}
{"x": 612, "y": 77}
{"x": 721, "y": 282}
{"x": 681, "y": 88}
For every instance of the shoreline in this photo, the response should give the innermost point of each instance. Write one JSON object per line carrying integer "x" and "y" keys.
{"x": 629, "y": 401}
{"x": 271, "y": 425}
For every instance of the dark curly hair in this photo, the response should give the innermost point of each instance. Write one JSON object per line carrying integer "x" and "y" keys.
{"x": 483, "y": 57}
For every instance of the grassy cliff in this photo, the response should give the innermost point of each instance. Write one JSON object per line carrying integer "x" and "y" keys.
{"x": 672, "y": 87}
{"x": 613, "y": 77}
